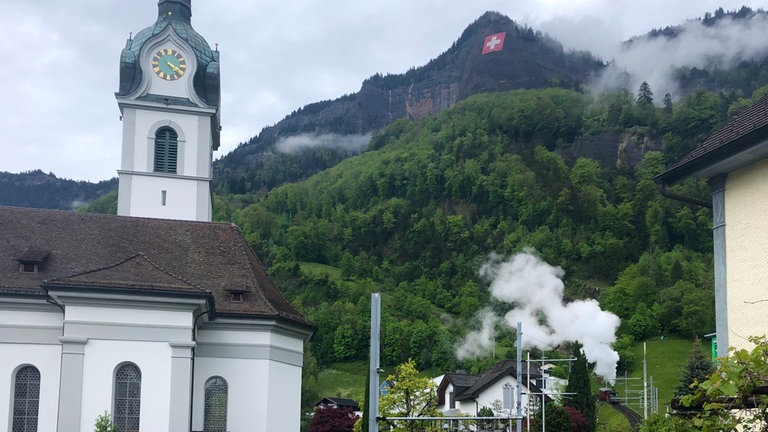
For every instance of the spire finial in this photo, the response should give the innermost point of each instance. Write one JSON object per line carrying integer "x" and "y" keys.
{"x": 175, "y": 9}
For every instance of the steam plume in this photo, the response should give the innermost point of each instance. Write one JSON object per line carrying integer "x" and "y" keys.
{"x": 299, "y": 143}
{"x": 534, "y": 291}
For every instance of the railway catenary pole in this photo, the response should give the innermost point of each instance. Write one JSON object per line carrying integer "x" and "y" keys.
{"x": 373, "y": 386}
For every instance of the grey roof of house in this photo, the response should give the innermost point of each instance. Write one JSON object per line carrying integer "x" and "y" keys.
{"x": 341, "y": 402}
{"x": 78, "y": 251}
{"x": 741, "y": 141}
{"x": 497, "y": 372}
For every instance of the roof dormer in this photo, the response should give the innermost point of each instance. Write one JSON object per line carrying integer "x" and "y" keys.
{"x": 31, "y": 260}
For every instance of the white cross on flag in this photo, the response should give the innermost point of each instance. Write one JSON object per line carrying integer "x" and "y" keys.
{"x": 494, "y": 42}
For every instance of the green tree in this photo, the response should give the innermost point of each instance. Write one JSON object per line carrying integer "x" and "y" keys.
{"x": 581, "y": 389}
{"x": 557, "y": 419}
{"x": 104, "y": 423}
{"x": 666, "y": 423}
{"x": 697, "y": 370}
{"x": 410, "y": 396}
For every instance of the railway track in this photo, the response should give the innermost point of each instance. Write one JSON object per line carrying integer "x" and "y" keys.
{"x": 633, "y": 417}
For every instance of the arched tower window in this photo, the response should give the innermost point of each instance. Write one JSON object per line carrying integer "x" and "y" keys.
{"x": 127, "y": 408}
{"x": 216, "y": 395}
{"x": 26, "y": 399}
{"x": 166, "y": 150}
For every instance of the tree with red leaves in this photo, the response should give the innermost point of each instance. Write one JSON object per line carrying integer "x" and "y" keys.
{"x": 578, "y": 420}
{"x": 329, "y": 419}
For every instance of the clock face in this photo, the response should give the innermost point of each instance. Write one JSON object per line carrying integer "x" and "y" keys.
{"x": 169, "y": 64}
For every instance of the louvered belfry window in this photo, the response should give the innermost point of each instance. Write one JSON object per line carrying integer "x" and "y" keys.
{"x": 166, "y": 150}
{"x": 127, "y": 409}
{"x": 215, "y": 417}
{"x": 26, "y": 399}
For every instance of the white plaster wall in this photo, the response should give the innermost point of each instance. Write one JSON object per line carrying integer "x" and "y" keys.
{"x": 746, "y": 244}
{"x": 182, "y": 198}
{"x": 194, "y": 131}
{"x": 264, "y": 395}
{"x": 249, "y": 336}
{"x": 188, "y": 190}
{"x": 128, "y": 316}
{"x": 248, "y": 408}
{"x": 496, "y": 392}
{"x": 46, "y": 358}
{"x": 31, "y": 318}
{"x": 102, "y": 358}
{"x": 284, "y": 400}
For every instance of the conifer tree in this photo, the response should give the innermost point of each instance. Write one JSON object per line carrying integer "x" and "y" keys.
{"x": 698, "y": 369}
{"x": 580, "y": 389}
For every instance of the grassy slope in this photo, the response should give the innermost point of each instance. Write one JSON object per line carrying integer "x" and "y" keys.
{"x": 345, "y": 380}
{"x": 666, "y": 360}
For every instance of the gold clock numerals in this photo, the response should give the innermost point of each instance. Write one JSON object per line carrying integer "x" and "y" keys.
{"x": 169, "y": 64}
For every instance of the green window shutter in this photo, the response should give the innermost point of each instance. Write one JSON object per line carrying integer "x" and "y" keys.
{"x": 166, "y": 150}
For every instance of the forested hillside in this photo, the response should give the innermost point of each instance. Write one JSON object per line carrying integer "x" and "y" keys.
{"x": 417, "y": 215}
{"x": 40, "y": 190}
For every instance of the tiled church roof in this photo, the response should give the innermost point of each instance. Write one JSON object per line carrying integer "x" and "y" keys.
{"x": 105, "y": 252}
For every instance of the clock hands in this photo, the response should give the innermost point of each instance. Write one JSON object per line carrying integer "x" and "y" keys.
{"x": 176, "y": 69}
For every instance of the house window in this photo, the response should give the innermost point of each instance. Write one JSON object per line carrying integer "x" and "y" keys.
{"x": 127, "y": 398}
{"x": 451, "y": 402}
{"x": 236, "y": 297}
{"x": 26, "y": 399}
{"x": 215, "y": 417}
{"x": 166, "y": 150}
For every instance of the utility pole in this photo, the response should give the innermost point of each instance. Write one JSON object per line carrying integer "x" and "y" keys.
{"x": 373, "y": 389}
{"x": 645, "y": 383}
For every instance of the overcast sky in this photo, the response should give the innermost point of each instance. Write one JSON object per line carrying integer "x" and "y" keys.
{"x": 59, "y": 67}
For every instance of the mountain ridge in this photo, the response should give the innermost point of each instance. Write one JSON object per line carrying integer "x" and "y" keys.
{"x": 528, "y": 59}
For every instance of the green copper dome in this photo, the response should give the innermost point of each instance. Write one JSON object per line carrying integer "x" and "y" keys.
{"x": 176, "y": 15}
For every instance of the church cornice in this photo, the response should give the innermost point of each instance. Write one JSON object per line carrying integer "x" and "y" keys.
{"x": 160, "y": 105}
{"x": 165, "y": 175}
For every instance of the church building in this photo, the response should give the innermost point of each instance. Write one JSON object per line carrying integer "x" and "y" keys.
{"x": 157, "y": 316}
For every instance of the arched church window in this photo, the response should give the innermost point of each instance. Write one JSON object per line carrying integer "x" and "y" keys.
{"x": 166, "y": 150}
{"x": 127, "y": 408}
{"x": 216, "y": 395}
{"x": 26, "y": 399}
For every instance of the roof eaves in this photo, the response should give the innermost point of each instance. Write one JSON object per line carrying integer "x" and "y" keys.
{"x": 688, "y": 168}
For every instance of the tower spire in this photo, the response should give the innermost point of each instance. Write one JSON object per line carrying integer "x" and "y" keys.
{"x": 175, "y": 9}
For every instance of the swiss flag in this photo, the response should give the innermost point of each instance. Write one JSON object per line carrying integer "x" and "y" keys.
{"x": 494, "y": 42}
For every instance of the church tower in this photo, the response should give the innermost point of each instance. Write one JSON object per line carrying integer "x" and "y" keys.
{"x": 169, "y": 99}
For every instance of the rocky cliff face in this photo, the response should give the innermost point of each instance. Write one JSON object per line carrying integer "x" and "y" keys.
{"x": 612, "y": 149}
{"x": 527, "y": 59}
